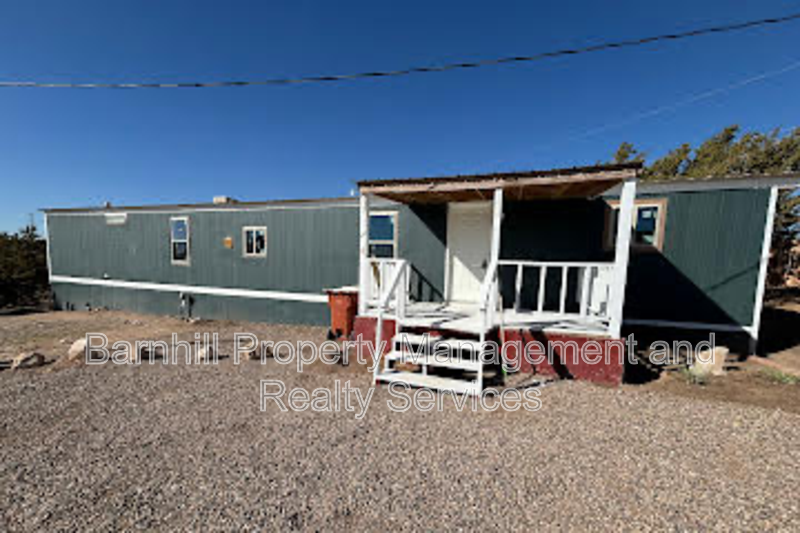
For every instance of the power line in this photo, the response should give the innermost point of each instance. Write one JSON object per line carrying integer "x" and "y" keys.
{"x": 422, "y": 70}
{"x": 643, "y": 115}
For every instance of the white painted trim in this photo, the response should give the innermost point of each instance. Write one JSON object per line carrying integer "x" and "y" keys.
{"x": 395, "y": 231}
{"x": 195, "y": 289}
{"x": 766, "y": 246}
{"x": 263, "y": 254}
{"x": 172, "y": 241}
{"x": 497, "y": 221}
{"x": 47, "y": 250}
{"x": 622, "y": 252}
{"x": 447, "y": 259}
{"x": 363, "y": 253}
{"x": 688, "y": 325}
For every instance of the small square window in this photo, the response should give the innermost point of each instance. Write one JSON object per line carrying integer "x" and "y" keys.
{"x": 255, "y": 241}
{"x": 647, "y": 225}
{"x": 383, "y": 235}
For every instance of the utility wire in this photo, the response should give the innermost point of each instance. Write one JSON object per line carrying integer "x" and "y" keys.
{"x": 422, "y": 70}
{"x": 643, "y": 115}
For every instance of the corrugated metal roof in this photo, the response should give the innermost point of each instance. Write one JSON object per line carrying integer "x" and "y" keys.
{"x": 505, "y": 175}
{"x": 727, "y": 182}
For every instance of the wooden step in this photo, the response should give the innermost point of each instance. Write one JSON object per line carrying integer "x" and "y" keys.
{"x": 462, "y": 344}
{"x": 414, "y": 339}
{"x": 457, "y": 386}
{"x": 435, "y": 360}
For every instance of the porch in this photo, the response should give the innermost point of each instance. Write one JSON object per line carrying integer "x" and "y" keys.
{"x": 589, "y": 317}
{"x": 485, "y": 291}
{"x": 490, "y": 289}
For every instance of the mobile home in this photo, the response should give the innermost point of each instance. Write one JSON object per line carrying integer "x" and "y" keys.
{"x": 534, "y": 251}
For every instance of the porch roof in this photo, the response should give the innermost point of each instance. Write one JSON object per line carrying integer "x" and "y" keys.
{"x": 576, "y": 182}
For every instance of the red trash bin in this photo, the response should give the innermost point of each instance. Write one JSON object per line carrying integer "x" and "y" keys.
{"x": 343, "y": 303}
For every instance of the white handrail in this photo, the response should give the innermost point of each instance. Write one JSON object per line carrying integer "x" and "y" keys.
{"x": 487, "y": 303}
{"x": 399, "y": 284}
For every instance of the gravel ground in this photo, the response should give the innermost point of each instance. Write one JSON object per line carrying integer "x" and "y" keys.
{"x": 186, "y": 447}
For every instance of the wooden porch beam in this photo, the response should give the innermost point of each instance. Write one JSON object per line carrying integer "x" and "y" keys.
{"x": 448, "y": 185}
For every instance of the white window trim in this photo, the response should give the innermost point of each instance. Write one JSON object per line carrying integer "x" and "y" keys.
{"x": 172, "y": 241}
{"x": 393, "y": 241}
{"x": 660, "y": 204}
{"x": 262, "y": 254}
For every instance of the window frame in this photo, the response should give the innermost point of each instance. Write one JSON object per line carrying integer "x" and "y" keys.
{"x": 187, "y": 240}
{"x": 383, "y": 242}
{"x": 661, "y": 218}
{"x": 260, "y": 255}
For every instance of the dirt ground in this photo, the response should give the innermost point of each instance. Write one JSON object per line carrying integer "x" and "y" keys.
{"x": 752, "y": 384}
{"x": 186, "y": 447}
{"x": 748, "y": 382}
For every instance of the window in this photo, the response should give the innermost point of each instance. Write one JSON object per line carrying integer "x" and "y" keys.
{"x": 255, "y": 241}
{"x": 383, "y": 235}
{"x": 647, "y": 224}
{"x": 179, "y": 240}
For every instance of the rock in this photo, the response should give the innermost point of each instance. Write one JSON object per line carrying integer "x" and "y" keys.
{"x": 204, "y": 354}
{"x": 77, "y": 351}
{"x": 27, "y": 360}
{"x": 710, "y": 362}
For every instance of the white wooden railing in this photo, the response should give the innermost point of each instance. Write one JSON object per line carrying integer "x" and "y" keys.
{"x": 488, "y": 299}
{"x": 593, "y": 290}
{"x": 392, "y": 294}
{"x": 381, "y": 273}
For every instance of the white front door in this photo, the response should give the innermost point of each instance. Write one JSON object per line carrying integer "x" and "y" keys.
{"x": 469, "y": 238}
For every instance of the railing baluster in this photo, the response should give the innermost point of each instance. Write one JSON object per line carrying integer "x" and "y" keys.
{"x": 542, "y": 283}
{"x": 518, "y": 288}
{"x": 562, "y": 300}
{"x": 585, "y": 290}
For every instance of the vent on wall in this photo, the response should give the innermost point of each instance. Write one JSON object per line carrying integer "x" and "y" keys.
{"x": 116, "y": 219}
{"x": 224, "y": 200}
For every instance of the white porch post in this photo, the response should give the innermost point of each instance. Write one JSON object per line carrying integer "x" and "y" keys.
{"x": 766, "y": 247}
{"x": 622, "y": 252}
{"x": 497, "y": 222}
{"x": 497, "y": 219}
{"x": 363, "y": 254}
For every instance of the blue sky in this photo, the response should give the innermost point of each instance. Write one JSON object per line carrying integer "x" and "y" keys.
{"x": 80, "y": 147}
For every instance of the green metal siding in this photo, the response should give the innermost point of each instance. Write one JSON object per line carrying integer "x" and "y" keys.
{"x": 422, "y": 241}
{"x": 550, "y": 230}
{"x": 309, "y": 249}
{"x": 554, "y": 230}
{"x": 708, "y": 270}
{"x": 706, "y": 273}
{"x": 167, "y": 303}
